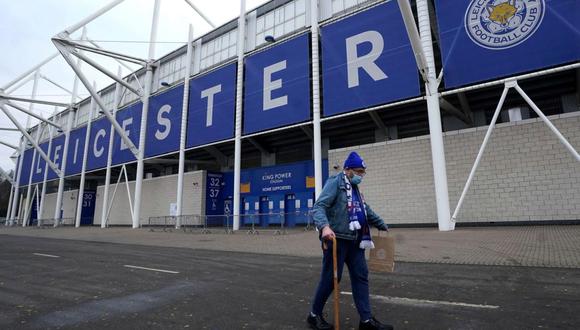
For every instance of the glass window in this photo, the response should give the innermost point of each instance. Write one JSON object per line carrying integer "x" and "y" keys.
{"x": 278, "y": 31}
{"x": 219, "y": 49}
{"x": 260, "y": 24}
{"x": 300, "y": 7}
{"x": 337, "y": 6}
{"x": 289, "y": 27}
{"x": 279, "y": 14}
{"x": 289, "y": 10}
{"x": 350, "y": 3}
{"x": 269, "y": 20}
{"x": 300, "y": 21}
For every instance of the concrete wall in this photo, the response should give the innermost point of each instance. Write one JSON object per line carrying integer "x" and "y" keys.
{"x": 525, "y": 174}
{"x": 69, "y": 205}
{"x": 158, "y": 194}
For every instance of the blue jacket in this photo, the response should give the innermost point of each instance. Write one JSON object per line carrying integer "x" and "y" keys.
{"x": 331, "y": 209}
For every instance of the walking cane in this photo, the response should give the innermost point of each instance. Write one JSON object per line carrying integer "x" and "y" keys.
{"x": 336, "y": 293}
{"x": 335, "y": 283}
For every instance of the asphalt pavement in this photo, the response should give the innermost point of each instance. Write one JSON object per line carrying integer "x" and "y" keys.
{"x": 56, "y": 283}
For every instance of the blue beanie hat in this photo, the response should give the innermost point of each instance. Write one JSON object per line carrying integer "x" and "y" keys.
{"x": 354, "y": 161}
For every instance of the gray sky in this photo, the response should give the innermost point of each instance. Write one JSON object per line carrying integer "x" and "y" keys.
{"x": 26, "y": 27}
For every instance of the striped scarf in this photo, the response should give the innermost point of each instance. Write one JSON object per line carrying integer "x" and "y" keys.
{"x": 354, "y": 223}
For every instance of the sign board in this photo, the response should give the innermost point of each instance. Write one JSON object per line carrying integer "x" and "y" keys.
{"x": 277, "y": 86}
{"x": 76, "y": 148}
{"x": 56, "y": 156}
{"x": 99, "y": 144}
{"x": 367, "y": 60}
{"x": 214, "y": 198}
{"x": 490, "y": 39}
{"x": 173, "y": 209}
{"x": 164, "y": 122}
{"x": 130, "y": 121}
{"x": 212, "y": 107}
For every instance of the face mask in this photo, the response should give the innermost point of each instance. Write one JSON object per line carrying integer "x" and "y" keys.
{"x": 356, "y": 179}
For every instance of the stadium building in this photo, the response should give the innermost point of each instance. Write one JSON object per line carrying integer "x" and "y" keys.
{"x": 464, "y": 112}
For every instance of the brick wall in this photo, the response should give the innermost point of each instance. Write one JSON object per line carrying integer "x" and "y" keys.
{"x": 525, "y": 174}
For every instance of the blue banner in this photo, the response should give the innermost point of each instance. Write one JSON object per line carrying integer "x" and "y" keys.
{"x": 76, "y": 149}
{"x": 164, "y": 122}
{"x": 130, "y": 121}
{"x": 212, "y": 107}
{"x": 98, "y": 144}
{"x": 277, "y": 86}
{"x": 367, "y": 60}
{"x": 26, "y": 167}
{"x": 38, "y": 166}
{"x": 56, "y": 156}
{"x": 490, "y": 39}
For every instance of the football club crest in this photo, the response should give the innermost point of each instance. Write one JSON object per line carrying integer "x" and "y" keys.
{"x": 502, "y": 24}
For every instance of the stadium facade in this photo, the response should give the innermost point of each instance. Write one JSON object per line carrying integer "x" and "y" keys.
{"x": 259, "y": 128}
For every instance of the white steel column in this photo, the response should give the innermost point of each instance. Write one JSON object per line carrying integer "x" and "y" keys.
{"x": 9, "y": 203}
{"x": 316, "y": 99}
{"x": 548, "y": 122}
{"x": 92, "y": 17}
{"x": 25, "y": 74}
{"x": 145, "y": 100}
{"x": 481, "y": 150}
{"x": 18, "y": 172}
{"x": 81, "y": 193}
{"x": 239, "y": 95}
{"x": 38, "y": 134}
{"x": 63, "y": 169}
{"x": 184, "y": 114}
{"x": 435, "y": 130}
{"x": 67, "y": 137}
{"x": 104, "y": 212}
{"x": 43, "y": 192}
{"x": 32, "y": 169}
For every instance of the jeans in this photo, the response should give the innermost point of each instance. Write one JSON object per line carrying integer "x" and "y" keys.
{"x": 349, "y": 252}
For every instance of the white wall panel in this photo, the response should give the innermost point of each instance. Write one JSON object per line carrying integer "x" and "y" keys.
{"x": 158, "y": 194}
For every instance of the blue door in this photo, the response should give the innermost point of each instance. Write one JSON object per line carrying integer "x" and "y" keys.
{"x": 264, "y": 210}
{"x": 88, "y": 209}
{"x": 290, "y": 210}
{"x": 34, "y": 212}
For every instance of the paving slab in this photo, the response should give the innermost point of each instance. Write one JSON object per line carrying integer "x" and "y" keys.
{"x": 533, "y": 246}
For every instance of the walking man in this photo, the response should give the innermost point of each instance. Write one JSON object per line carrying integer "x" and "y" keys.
{"x": 341, "y": 212}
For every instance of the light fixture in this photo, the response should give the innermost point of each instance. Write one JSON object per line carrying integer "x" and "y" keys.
{"x": 269, "y": 39}
{"x": 165, "y": 84}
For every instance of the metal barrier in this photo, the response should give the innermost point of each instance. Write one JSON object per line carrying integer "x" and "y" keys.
{"x": 10, "y": 223}
{"x": 267, "y": 222}
{"x": 50, "y": 223}
{"x": 166, "y": 223}
{"x": 252, "y": 223}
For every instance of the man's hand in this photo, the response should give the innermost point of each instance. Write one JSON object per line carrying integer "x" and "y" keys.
{"x": 327, "y": 233}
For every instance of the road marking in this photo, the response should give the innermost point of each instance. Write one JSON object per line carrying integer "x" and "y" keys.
{"x": 46, "y": 255}
{"x": 410, "y": 301}
{"x": 152, "y": 269}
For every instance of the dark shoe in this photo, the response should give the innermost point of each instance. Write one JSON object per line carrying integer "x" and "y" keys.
{"x": 373, "y": 324}
{"x": 318, "y": 322}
